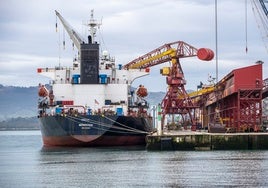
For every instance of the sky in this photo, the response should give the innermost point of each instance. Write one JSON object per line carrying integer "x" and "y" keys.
{"x": 129, "y": 29}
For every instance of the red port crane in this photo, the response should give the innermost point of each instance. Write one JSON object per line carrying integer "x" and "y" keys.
{"x": 176, "y": 100}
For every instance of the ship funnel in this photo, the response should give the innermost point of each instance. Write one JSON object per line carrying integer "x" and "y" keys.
{"x": 89, "y": 39}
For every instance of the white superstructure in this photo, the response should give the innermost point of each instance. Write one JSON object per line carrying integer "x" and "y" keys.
{"x": 112, "y": 91}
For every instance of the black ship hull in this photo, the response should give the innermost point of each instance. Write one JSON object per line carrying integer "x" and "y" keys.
{"x": 94, "y": 130}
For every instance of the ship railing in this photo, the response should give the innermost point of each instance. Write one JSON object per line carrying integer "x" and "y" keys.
{"x": 39, "y": 70}
{"x": 74, "y": 109}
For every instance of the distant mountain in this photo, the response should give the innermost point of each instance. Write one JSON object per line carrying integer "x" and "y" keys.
{"x": 154, "y": 98}
{"x": 17, "y": 102}
{"x": 19, "y": 123}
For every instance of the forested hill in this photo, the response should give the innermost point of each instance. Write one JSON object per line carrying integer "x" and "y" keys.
{"x": 17, "y": 102}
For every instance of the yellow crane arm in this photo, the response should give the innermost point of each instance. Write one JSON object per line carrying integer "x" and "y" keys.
{"x": 171, "y": 52}
{"x": 201, "y": 91}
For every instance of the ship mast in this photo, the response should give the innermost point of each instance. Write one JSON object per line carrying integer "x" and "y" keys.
{"x": 92, "y": 24}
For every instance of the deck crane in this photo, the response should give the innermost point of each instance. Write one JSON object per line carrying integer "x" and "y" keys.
{"x": 176, "y": 100}
{"x": 75, "y": 37}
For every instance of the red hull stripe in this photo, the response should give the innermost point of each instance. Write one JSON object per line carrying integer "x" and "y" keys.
{"x": 86, "y": 140}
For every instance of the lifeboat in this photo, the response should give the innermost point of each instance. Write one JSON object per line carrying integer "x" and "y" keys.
{"x": 43, "y": 92}
{"x": 142, "y": 91}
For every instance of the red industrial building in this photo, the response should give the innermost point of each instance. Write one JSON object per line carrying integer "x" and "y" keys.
{"x": 236, "y": 101}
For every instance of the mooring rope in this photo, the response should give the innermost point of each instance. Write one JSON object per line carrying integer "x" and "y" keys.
{"x": 123, "y": 124}
{"x": 104, "y": 124}
{"x": 81, "y": 118}
{"x": 127, "y": 127}
{"x": 103, "y": 129}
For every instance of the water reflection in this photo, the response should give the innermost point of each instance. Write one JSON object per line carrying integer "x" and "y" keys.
{"x": 25, "y": 163}
{"x": 124, "y": 167}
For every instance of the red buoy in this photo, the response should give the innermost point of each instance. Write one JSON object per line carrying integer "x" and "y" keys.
{"x": 205, "y": 54}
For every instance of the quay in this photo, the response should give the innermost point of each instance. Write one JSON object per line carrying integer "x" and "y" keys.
{"x": 201, "y": 141}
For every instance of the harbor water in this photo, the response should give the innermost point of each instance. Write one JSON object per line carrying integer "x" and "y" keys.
{"x": 24, "y": 162}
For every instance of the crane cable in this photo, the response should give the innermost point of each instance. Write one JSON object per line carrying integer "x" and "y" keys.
{"x": 261, "y": 21}
{"x": 246, "y": 24}
{"x": 56, "y": 24}
{"x": 59, "y": 39}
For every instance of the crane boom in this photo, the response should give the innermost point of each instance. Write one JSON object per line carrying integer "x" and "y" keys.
{"x": 163, "y": 54}
{"x": 75, "y": 37}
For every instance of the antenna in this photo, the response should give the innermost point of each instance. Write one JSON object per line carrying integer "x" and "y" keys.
{"x": 92, "y": 24}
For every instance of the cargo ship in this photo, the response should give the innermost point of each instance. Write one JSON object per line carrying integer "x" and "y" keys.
{"x": 92, "y": 103}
